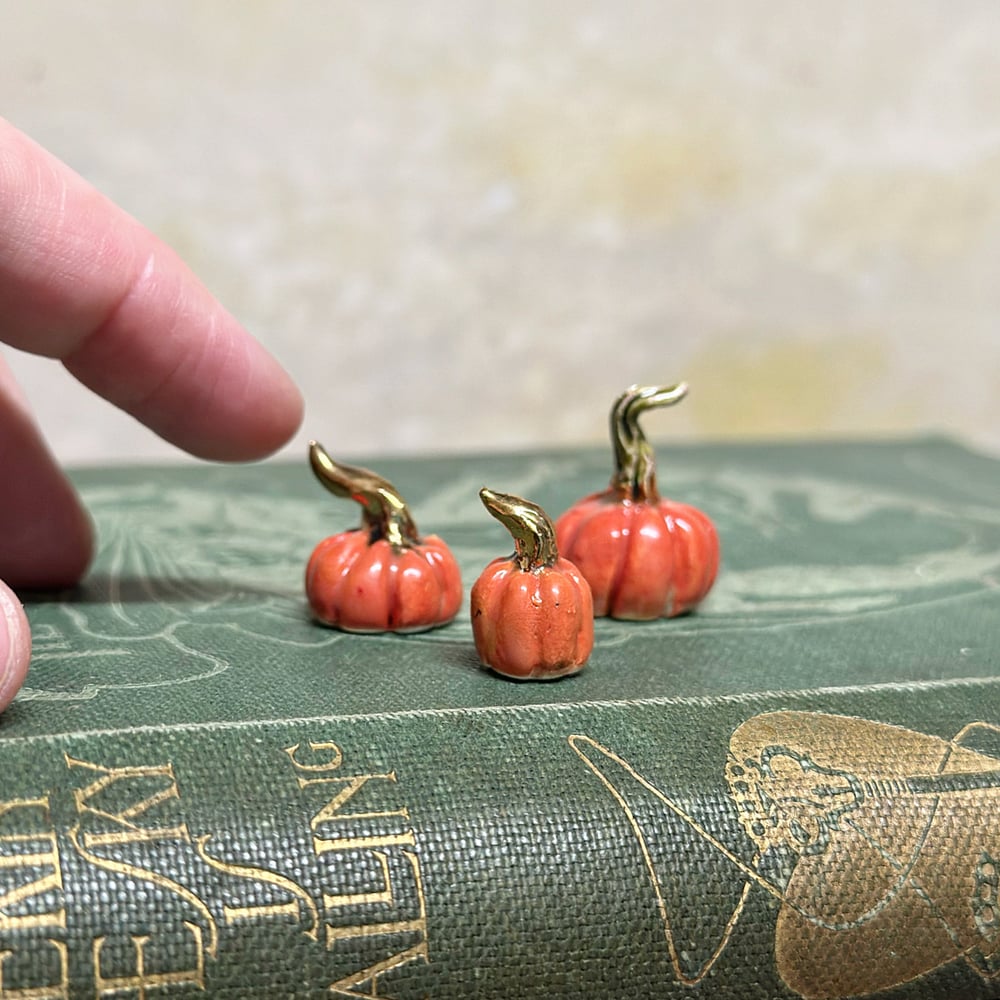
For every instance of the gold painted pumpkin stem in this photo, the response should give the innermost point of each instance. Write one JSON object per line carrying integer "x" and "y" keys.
{"x": 635, "y": 462}
{"x": 384, "y": 512}
{"x": 533, "y": 533}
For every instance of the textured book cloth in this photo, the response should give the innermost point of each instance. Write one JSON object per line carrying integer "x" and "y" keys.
{"x": 793, "y": 791}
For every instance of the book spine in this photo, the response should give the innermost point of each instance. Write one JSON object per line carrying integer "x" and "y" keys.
{"x": 560, "y": 852}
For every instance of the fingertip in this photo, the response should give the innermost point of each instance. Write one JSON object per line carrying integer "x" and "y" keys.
{"x": 246, "y": 420}
{"x": 204, "y": 383}
{"x": 270, "y": 414}
{"x": 15, "y": 645}
{"x": 242, "y": 403}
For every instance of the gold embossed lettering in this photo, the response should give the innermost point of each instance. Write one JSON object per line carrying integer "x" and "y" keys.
{"x": 333, "y": 900}
{"x": 100, "y": 802}
{"x": 158, "y": 879}
{"x": 143, "y": 978}
{"x": 417, "y": 925}
{"x": 335, "y": 760}
{"x": 291, "y": 908}
{"x": 405, "y": 839}
{"x": 331, "y": 811}
{"x": 34, "y": 856}
{"x": 345, "y": 987}
{"x": 126, "y": 828}
{"x": 342, "y": 826}
{"x": 54, "y": 991}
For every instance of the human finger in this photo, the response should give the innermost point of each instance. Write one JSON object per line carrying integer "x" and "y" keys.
{"x": 15, "y": 645}
{"x": 82, "y": 281}
{"x": 45, "y": 535}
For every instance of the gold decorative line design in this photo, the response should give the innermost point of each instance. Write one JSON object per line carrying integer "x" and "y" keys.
{"x": 878, "y": 829}
{"x": 577, "y": 742}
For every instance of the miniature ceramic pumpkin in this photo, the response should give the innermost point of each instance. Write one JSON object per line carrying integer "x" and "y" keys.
{"x": 644, "y": 556}
{"x": 532, "y": 615}
{"x": 381, "y": 577}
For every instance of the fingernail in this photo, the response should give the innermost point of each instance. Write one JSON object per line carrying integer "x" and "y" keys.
{"x": 15, "y": 645}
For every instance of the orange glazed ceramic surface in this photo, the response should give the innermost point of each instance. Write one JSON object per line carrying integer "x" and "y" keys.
{"x": 643, "y": 560}
{"x": 532, "y": 614}
{"x": 363, "y": 586}
{"x": 381, "y": 577}
{"x": 644, "y": 557}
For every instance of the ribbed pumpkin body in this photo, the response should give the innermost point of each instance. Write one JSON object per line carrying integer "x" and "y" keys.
{"x": 643, "y": 559}
{"x": 359, "y": 585}
{"x": 532, "y": 624}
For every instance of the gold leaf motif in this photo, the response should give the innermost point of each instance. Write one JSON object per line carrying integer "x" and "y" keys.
{"x": 880, "y": 843}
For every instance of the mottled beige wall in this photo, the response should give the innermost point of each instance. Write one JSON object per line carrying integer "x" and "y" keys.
{"x": 467, "y": 224}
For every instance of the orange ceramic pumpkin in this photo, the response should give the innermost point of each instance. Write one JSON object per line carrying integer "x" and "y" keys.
{"x": 532, "y": 615}
{"x": 381, "y": 577}
{"x": 644, "y": 556}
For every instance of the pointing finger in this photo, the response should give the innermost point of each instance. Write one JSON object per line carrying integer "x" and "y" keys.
{"x": 82, "y": 281}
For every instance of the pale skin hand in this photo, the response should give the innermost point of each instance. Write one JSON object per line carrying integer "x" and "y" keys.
{"x": 82, "y": 282}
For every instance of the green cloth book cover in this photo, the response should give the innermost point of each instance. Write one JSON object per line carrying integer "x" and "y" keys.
{"x": 792, "y": 792}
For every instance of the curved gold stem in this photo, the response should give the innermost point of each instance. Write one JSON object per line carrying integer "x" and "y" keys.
{"x": 533, "y": 533}
{"x": 635, "y": 463}
{"x": 384, "y": 512}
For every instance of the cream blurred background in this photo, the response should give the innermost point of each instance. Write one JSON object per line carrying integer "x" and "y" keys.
{"x": 468, "y": 225}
